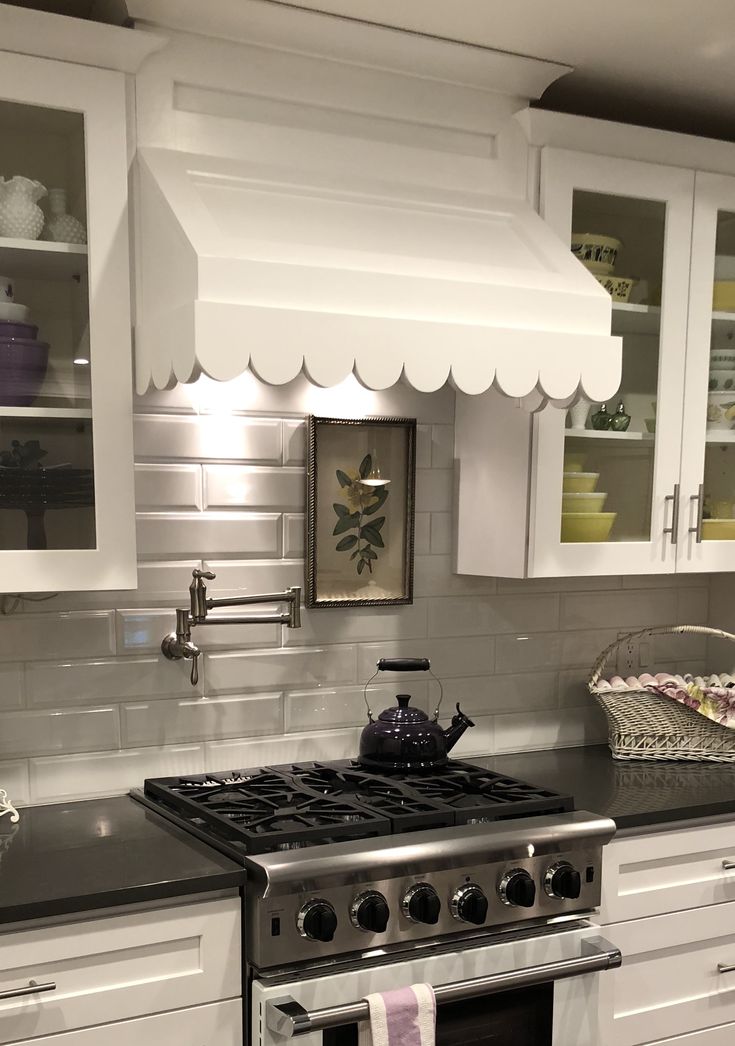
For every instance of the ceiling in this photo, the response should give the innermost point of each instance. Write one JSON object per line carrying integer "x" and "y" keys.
{"x": 663, "y": 63}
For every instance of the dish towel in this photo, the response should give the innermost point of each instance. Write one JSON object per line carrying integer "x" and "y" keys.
{"x": 403, "y": 1017}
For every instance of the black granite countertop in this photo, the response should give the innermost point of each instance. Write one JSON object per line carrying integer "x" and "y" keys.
{"x": 634, "y": 794}
{"x": 99, "y": 853}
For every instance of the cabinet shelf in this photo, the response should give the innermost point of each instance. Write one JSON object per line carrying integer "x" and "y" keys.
{"x": 724, "y": 321}
{"x": 720, "y": 436}
{"x": 58, "y": 413}
{"x": 42, "y": 260}
{"x": 635, "y": 319}
{"x": 605, "y": 434}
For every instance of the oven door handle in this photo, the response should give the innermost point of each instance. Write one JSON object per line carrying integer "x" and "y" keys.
{"x": 286, "y": 1017}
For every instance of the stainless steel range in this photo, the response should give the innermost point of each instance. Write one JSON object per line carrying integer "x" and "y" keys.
{"x": 360, "y": 881}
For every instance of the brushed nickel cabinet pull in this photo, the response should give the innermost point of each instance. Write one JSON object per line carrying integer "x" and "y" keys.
{"x": 725, "y": 967}
{"x": 30, "y": 989}
{"x": 728, "y": 866}
{"x": 674, "y": 528}
{"x": 699, "y": 498}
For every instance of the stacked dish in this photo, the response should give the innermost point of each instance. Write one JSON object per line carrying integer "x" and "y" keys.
{"x": 721, "y": 369}
{"x": 598, "y": 253}
{"x": 582, "y": 516}
{"x": 723, "y": 292}
{"x": 23, "y": 359}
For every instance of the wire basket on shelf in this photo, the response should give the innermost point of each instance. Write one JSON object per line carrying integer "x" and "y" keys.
{"x": 646, "y": 725}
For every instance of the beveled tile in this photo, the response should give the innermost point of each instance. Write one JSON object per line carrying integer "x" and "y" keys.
{"x": 26, "y": 637}
{"x": 528, "y": 653}
{"x": 491, "y": 695}
{"x": 334, "y": 625}
{"x": 248, "y": 487}
{"x": 218, "y": 437}
{"x": 422, "y": 533}
{"x": 293, "y": 535}
{"x": 168, "y": 486}
{"x": 561, "y": 728}
{"x": 329, "y": 708}
{"x": 14, "y": 779}
{"x": 433, "y": 576}
{"x": 200, "y": 718}
{"x": 108, "y": 773}
{"x": 294, "y": 442}
{"x": 627, "y": 609}
{"x": 449, "y": 657}
{"x": 441, "y": 533}
{"x": 442, "y": 446}
{"x": 434, "y": 489}
{"x": 209, "y": 534}
{"x": 71, "y": 730}
{"x": 11, "y": 687}
{"x": 289, "y": 748}
{"x": 70, "y": 683}
{"x": 248, "y": 577}
{"x": 491, "y": 615}
{"x": 279, "y": 669}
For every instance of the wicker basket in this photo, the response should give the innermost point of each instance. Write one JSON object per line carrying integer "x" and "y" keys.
{"x": 644, "y": 725}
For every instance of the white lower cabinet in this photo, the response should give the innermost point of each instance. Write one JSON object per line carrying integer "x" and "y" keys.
{"x": 668, "y": 902}
{"x": 219, "y": 1024}
{"x": 113, "y": 969}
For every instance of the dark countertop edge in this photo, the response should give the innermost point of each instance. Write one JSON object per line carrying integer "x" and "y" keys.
{"x": 673, "y": 818}
{"x": 110, "y": 899}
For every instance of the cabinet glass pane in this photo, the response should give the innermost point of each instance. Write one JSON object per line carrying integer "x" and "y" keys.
{"x": 719, "y": 458}
{"x": 46, "y": 462}
{"x": 609, "y": 449}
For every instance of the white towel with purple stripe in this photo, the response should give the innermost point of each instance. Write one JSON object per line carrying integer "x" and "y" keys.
{"x": 403, "y": 1017}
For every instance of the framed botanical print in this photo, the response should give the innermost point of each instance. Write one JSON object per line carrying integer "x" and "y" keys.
{"x": 361, "y": 477}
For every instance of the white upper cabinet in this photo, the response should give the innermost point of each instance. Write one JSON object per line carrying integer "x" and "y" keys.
{"x": 648, "y": 485}
{"x": 708, "y": 450}
{"x": 66, "y": 454}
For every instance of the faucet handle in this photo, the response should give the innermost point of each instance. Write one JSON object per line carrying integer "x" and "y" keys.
{"x": 194, "y": 677}
{"x": 206, "y": 574}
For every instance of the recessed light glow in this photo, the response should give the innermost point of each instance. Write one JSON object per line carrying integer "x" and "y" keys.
{"x": 81, "y": 361}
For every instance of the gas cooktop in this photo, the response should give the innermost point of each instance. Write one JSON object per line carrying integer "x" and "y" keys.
{"x": 297, "y": 805}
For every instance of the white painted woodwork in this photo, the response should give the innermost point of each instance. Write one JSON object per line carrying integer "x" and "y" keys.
{"x": 669, "y": 983}
{"x": 218, "y": 1024}
{"x": 713, "y": 193}
{"x": 576, "y": 1000}
{"x": 41, "y": 259}
{"x": 100, "y": 96}
{"x": 663, "y": 872}
{"x": 722, "y": 1036}
{"x": 122, "y": 966}
{"x": 68, "y": 39}
{"x": 358, "y": 219}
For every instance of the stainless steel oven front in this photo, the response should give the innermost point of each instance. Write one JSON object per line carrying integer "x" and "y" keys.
{"x": 529, "y": 988}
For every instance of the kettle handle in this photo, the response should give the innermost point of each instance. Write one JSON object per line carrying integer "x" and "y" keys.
{"x": 403, "y": 664}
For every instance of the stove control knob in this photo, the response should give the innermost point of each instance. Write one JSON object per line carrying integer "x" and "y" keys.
{"x": 563, "y": 881}
{"x": 517, "y": 889}
{"x": 421, "y": 904}
{"x": 369, "y": 911}
{"x": 317, "y": 920}
{"x": 469, "y": 904}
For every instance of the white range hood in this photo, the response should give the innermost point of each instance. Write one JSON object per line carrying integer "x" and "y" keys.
{"x": 341, "y": 217}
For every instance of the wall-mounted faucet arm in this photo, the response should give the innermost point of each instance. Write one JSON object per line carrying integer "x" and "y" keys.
{"x": 178, "y": 644}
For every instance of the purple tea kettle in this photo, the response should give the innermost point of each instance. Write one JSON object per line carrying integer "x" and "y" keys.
{"x": 404, "y": 738}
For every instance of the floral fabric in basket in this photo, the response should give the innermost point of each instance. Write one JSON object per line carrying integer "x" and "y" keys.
{"x": 713, "y": 697}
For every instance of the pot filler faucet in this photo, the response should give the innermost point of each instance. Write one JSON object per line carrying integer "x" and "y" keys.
{"x": 177, "y": 645}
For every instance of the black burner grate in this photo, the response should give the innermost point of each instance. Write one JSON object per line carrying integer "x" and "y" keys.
{"x": 309, "y": 804}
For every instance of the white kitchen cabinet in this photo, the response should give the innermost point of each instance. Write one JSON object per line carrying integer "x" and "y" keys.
{"x": 668, "y": 902}
{"x": 66, "y": 501}
{"x": 219, "y": 1024}
{"x": 119, "y": 967}
{"x": 668, "y": 481}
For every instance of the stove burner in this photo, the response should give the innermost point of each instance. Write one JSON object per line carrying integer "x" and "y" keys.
{"x": 310, "y": 804}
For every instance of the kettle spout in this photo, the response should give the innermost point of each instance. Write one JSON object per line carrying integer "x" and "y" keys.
{"x": 460, "y": 722}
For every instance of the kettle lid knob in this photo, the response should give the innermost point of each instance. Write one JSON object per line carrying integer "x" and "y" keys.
{"x": 403, "y": 700}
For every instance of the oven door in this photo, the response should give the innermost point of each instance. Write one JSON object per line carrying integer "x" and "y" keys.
{"x": 540, "y": 990}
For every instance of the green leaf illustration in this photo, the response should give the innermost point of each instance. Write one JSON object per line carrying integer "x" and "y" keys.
{"x": 361, "y": 566}
{"x": 340, "y": 509}
{"x": 372, "y": 535}
{"x": 366, "y": 466}
{"x": 369, "y": 554}
{"x": 346, "y": 523}
{"x": 355, "y": 554}
{"x": 377, "y": 524}
{"x": 344, "y": 479}
{"x": 381, "y": 496}
{"x": 347, "y": 542}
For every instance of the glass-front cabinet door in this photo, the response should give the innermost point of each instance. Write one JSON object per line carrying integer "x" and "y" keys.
{"x": 66, "y": 500}
{"x": 708, "y": 449}
{"x": 604, "y": 496}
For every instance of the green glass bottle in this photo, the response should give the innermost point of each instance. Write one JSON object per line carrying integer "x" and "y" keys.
{"x": 620, "y": 420}
{"x": 601, "y": 419}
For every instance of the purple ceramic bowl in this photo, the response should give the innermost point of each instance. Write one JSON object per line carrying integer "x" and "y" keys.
{"x": 23, "y": 364}
{"x": 9, "y": 329}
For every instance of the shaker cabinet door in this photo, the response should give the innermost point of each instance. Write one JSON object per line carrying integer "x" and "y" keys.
{"x": 66, "y": 459}
{"x": 604, "y": 482}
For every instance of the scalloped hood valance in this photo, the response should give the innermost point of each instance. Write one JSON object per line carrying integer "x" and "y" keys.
{"x": 353, "y": 200}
